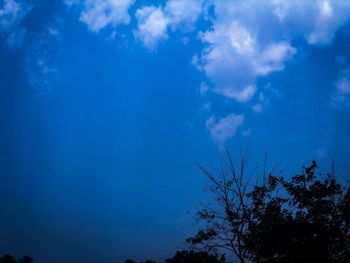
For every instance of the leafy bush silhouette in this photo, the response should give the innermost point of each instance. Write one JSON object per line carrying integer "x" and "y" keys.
{"x": 10, "y": 259}
{"x": 26, "y": 259}
{"x": 195, "y": 257}
{"x": 7, "y": 259}
{"x": 303, "y": 219}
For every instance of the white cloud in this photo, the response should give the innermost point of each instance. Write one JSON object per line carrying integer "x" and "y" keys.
{"x": 341, "y": 95}
{"x": 224, "y": 128}
{"x": 251, "y": 39}
{"x": 325, "y": 21}
{"x": 245, "y": 40}
{"x": 240, "y": 94}
{"x": 98, "y": 14}
{"x": 183, "y": 13}
{"x": 241, "y": 48}
{"x": 233, "y": 60}
{"x": 155, "y": 22}
{"x": 235, "y": 57}
{"x": 317, "y": 21}
{"x": 152, "y": 26}
{"x": 273, "y": 57}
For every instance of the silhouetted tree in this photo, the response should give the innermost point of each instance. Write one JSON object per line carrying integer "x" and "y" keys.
{"x": 7, "y": 259}
{"x": 228, "y": 217}
{"x": 309, "y": 223}
{"x": 148, "y": 261}
{"x": 195, "y": 257}
{"x": 26, "y": 259}
{"x": 129, "y": 261}
{"x": 303, "y": 219}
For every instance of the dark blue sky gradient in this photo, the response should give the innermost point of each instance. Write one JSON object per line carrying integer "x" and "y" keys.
{"x": 99, "y": 165}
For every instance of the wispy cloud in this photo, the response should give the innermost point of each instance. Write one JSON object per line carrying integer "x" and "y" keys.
{"x": 16, "y": 38}
{"x": 41, "y": 70}
{"x": 341, "y": 94}
{"x": 321, "y": 152}
{"x": 11, "y": 15}
{"x": 40, "y": 46}
{"x": 203, "y": 89}
{"x": 224, "y": 128}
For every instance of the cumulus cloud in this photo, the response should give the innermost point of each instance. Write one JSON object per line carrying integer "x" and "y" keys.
{"x": 183, "y": 13}
{"x": 251, "y": 39}
{"x": 98, "y": 14}
{"x": 317, "y": 21}
{"x": 341, "y": 95}
{"x": 234, "y": 58}
{"x": 152, "y": 26}
{"x": 224, "y": 128}
{"x": 155, "y": 22}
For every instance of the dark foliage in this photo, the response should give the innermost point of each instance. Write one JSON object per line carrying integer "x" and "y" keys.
{"x": 7, "y": 259}
{"x": 195, "y": 257}
{"x": 26, "y": 259}
{"x": 303, "y": 219}
{"x": 10, "y": 259}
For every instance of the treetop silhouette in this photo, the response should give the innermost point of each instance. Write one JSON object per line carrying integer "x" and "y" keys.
{"x": 302, "y": 219}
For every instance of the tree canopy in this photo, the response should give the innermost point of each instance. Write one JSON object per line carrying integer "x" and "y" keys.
{"x": 305, "y": 218}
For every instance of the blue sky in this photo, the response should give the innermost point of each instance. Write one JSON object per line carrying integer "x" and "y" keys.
{"x": 106, "y": 106}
